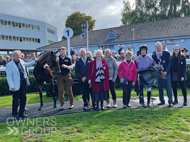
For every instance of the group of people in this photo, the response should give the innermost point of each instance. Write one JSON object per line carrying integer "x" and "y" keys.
{"x": 97, "y": 76}
{"x": 3, "y": 61}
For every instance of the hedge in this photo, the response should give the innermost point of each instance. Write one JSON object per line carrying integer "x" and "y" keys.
{"x": 4, "y": 89}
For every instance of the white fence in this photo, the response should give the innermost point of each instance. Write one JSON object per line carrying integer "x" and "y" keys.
{"x": 30, "y": 69}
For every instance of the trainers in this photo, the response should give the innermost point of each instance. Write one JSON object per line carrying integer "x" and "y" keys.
{"x": 71, "y": 107}
{"x": 124, "y": 106}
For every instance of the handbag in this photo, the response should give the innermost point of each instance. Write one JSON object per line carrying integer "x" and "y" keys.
{"x": 126, "y": 79}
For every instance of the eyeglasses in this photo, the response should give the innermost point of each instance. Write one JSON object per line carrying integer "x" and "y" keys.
{"x": 176, "y": 49}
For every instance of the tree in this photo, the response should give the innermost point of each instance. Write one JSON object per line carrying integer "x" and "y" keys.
{"x": 153, "y": 10}
{"x": 75, "y": 20}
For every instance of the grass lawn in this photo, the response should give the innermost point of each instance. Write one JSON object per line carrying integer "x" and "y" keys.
{"x": 115, "y": 125}
{"x": 34, "y": 98}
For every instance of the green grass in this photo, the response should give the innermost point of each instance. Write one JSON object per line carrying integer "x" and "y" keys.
{"x": 34, "y": 98}
{"x": 115, "y": 125}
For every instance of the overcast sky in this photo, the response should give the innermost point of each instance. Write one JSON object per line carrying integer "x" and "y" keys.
{"x": 55, "y": 12}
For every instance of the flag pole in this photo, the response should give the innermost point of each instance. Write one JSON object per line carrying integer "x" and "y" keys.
{"x": 87, "y": 34}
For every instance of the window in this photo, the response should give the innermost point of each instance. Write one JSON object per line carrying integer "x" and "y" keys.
{"x": 38, "y": 40}
{"x": 182, "y": 40}
{"x": 17, "y": 25}
{"x": 20, "y": 25}
{"x": 9, "y": 23}
{"x": 1, "y": 22}
{"x": 3, "y": 37}
{"x": 29, "y": 39}
{"x": 33, "y": 40}
{"x": 170, "y": 41}
{"x": 29, "y": 26}
{"x": 13, "y": 24}
{"x": 10, "y": 38}
{"x": 50, "y": 31}
{"x": 32, "y": 27}
{"x": 0, "y": 37}
{"x": 14, "y": 38}
{"x": 38, "y": 28}
{"x": 7, "y": 38}
{"x": 20, "y": 39}
{"x": 24, "y": 40}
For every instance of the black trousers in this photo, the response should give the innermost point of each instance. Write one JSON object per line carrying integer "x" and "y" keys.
{"x": 19, "y": 95}
{"x": 127, "y": 92}
{"x": 85, "y": 93}
{"x": 183, "y": 88}
{"x": 112, "y": 89}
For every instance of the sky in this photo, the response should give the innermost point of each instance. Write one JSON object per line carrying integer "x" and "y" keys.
{"x": 107, "y": 13}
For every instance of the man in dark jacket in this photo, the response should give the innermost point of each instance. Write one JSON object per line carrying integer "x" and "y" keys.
{"x": 81, "y": 69}
{"x": 163, "y": 58}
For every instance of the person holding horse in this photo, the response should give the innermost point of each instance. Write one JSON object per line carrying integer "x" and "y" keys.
{"x": 65, "y": 79}
{"x": 17, "y": 80}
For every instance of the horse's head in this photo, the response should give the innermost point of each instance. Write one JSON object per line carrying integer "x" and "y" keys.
{"x": 52, "y": 60}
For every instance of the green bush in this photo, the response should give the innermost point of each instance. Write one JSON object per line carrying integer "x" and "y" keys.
{"x": 4, "y": 88}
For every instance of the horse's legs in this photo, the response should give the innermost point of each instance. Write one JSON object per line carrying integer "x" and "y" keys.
{"x": 41, "y": 100}
{"x": 53, "y": 92}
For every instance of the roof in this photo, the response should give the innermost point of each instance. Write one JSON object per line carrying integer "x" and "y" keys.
{"x": 150, "y": 30}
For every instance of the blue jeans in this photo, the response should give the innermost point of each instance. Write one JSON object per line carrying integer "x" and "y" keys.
{"x": 167, "y": 82}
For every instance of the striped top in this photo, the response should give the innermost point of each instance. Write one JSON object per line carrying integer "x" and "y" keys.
{"x": 99, "y": 71}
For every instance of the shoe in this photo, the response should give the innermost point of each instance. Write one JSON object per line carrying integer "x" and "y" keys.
{"x": 175, "y": 102}
{"x": 26, "y": 109}
{"x": 128, "y": 105}
{"x": 185, "y": 104}
{"x": 124, "y": 106}
{"x": 23, "y": 116}
{"x": 71, "y": 107}
{"x": 148, "y": 105}
{"x": 85, "y": 108}
{"x": 143, "y": 105}
{"x": 97, "y": 106}
{"x": 114, "y": 103}
{"x": 161, "y": 103}
{"x": 14, "y": 117}
{"x": 102, "y": 105}
{"x": 108, "y": 103}
{"x": 62, "y": 108}
{"x": 170, "y": 105}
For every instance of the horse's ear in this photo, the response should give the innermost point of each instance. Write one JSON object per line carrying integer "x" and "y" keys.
{"x": 57, "y": 51}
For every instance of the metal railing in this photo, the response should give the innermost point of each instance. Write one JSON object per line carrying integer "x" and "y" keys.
{"x": 30, "y": 69}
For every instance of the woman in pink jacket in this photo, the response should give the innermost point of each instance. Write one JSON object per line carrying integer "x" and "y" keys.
{"x": 127, "y": 72}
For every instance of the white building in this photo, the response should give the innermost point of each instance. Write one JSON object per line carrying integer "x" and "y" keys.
{"x": 24, "y": 34}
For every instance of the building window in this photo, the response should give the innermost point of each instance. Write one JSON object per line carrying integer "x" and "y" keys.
{"x": 3, "y": 37}
{"x": 0, "y": 37}
{"x": 13, "y": 24}
{"x": 50, "y": 31}
{"x": 6, "y": 38}
{"x": 29, "y": 39}
{"x": 182, "y": 40}
{"x": 20, "y": 25}
{"x": 20, "y": 39}
{"x": 1, "y": 22}
{"x": 10, "y": 38}
{"x": 24, "y": 40}
{"x": 9, "y": 23}
{"x": 14, "y": 38}
{"x": 38, "y": 28}
{"x": 170, "y": 41}
{"x": 38, "y": 40}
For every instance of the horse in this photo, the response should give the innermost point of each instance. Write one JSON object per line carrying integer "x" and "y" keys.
{"x": 47, "y": 74}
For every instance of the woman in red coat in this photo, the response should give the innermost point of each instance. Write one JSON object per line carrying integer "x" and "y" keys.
{"x": 98, "y": 78}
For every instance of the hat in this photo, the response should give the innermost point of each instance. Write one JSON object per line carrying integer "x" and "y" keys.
{"x": 184, "y": 49}
{"x": 122, "y": 46}
{"x": 143, "y": 47}
{"x": 113, "y": 52}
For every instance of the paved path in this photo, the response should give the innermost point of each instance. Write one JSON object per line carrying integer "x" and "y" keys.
{"x": 48, "y": 110}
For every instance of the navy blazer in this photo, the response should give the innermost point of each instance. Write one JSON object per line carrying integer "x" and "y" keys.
{"x": 181, "y": 68}
{"x": 165, "y": 60}
{"x": 81, "y": 69}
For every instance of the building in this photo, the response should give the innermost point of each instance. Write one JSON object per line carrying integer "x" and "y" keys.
{"x": 170, "y": 32}
{"x": 24, "y": 34}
